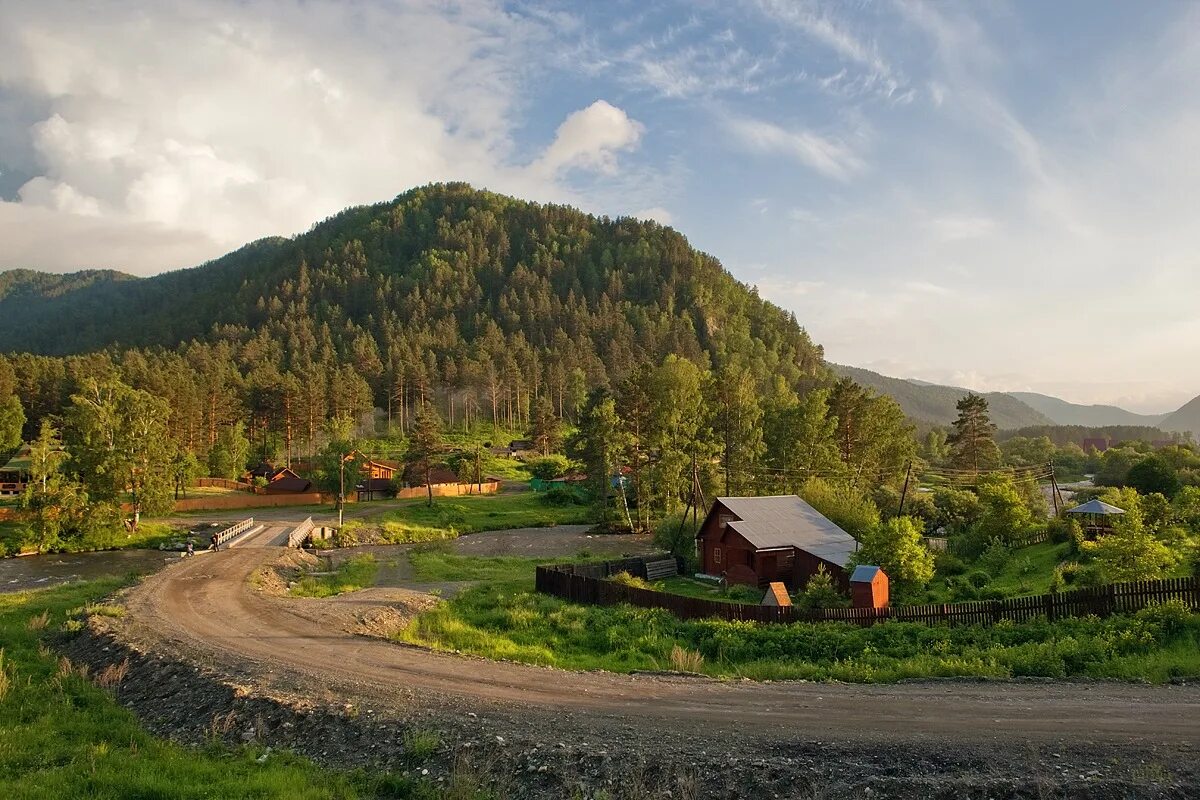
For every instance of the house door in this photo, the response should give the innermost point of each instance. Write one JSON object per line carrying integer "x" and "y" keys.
{"x": 768, "y": 567}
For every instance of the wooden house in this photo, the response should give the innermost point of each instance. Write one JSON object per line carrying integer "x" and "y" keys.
{"x": 286, "y": 481}
{"x": 868, "y": 587}
{"x": 438, "y": 477}
{"x": 759, "y": 540}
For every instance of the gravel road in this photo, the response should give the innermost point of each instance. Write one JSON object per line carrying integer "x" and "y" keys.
{"x": 207, "y": 611}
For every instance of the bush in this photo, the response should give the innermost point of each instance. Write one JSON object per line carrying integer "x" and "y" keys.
{"x": 626, "y": 579}
{"x": 561, "y": 497}
{"x": 978, "y": 578}
{"x": 995, "y": 557}
{"x": 820, "y": 592}
{"x": 549, "y": 467}
{"x": 948, "y": 564}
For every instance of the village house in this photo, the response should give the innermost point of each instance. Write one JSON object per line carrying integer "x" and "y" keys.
{"x": 379, "y": 479}
{"x": 439, "y": 477}
{"x": 759, "y": 540}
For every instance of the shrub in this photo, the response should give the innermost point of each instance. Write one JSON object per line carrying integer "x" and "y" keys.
{"x": 820, "y": 592}
{"x": 452, "y": 516}
{"x": 948, "y": 564}
{"x": 549, "y": 467}
{"x": 561, "y": 496}
{"x": 978, "y": 578}
{"x": 995, "y": 557}
{"x": 1069, "y": 572}
{"x": 625, "y": 579}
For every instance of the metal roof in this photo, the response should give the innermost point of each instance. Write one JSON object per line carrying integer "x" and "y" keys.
{"x": 864, "y": 573}
{"x": 1096, "y": 507}
{"x": 788, "y": 521}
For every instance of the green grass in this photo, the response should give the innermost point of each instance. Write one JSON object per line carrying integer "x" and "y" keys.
{"x": 708, "y": 590}
{"x": 351, "y": 575}
{"x": 63, "y": 737}
{"x": 509, "y": 621}
{"x": 14, "y": 538}
{"x": 415, "y": 521}
{"x": 437, "y": 565}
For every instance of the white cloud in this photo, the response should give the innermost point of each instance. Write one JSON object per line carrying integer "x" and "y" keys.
{"x": 659, "y": 214}
{"x": 225, "y": 122}
{"x": 590, "y": 139}
{"x": 830, "y": 157}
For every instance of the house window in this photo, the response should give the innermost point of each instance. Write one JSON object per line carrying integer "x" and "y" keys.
{"x": 723, "y": 520}
{"x": 716, "y": 555}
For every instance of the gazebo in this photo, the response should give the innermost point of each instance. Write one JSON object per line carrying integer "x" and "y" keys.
{"x": 1096, "y": 513}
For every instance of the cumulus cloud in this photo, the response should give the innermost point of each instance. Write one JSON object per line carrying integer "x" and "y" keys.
{"x": 590, "y": 139}
{"x": 225, "y": 122}
{"x": 659, "y": 214}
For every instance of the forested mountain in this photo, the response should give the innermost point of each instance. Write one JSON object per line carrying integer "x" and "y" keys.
{"x": 1065, "y": 413}
{"x": 478, "y": 301}
{"x": 931, "y": 403}
{"x": 1186, "y": 419}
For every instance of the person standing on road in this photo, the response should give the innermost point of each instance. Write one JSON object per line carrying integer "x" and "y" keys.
{"x": 216, "y": 543}
{"x": 191, "y": 549}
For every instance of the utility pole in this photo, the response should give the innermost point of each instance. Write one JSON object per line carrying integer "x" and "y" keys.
{"x": 1054, "y": 493}
{"x": 904, "y": 492}
{"x": 342, "y": 485}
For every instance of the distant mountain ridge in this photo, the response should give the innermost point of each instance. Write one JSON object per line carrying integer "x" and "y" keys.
{"x": 1186, "y": 419}
{"x": 935, "y": 404}
{"x": 1093, "y": 416}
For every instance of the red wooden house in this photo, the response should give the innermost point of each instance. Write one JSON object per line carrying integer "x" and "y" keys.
{"x": 758, "y": 540}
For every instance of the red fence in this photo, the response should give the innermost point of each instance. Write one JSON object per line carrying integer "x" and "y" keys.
{"x": 586, "y": 583}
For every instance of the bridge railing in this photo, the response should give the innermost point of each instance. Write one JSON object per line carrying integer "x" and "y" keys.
{"x": 237, "y": 529}
{"x": 300, "y": 533}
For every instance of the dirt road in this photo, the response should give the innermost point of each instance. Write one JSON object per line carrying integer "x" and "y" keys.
{"x": 207, "y": 609}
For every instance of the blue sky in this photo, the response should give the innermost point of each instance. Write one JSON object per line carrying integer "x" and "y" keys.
{"x": 1000, "y": 195}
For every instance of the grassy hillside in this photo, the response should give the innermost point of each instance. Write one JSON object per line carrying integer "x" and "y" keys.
{"x": 927, "y": 402}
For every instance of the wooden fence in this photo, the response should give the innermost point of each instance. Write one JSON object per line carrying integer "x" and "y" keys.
{"x": 588, "y": 584}
{"x": 449, "y": 490}
{"x": 230, "y": 502}
{"x": 300, "y": 533}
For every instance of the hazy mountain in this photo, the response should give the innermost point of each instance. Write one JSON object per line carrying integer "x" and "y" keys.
{"x": 928, "y": 402}
{"x": 1065, "y": 413}
{"x": 1187, "y": 418}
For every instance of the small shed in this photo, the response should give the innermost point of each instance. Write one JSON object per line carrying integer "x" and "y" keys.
{"x": 777, "y": 595}
{"x": 868, "y": 587}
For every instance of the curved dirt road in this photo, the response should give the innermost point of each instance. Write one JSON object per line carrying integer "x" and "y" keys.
{"x": 207, "y": 609}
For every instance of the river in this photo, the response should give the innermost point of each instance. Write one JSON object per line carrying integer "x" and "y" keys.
{"x": 36, "y": 572}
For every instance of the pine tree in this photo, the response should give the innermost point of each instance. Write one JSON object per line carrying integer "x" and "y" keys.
{"x": 972, "y": 443}
{"x": 425, "y": 444}
{"x": 546, "y": 431}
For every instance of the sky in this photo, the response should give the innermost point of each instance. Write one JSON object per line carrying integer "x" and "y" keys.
{"x": 997, "y": 195}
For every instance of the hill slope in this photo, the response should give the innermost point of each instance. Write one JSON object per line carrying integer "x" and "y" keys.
{"x": 930, "y": 402}
{"x": 444, "y": 278}
{"x": 1065, "y": 413}
{"x": 1187, "y": 418}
